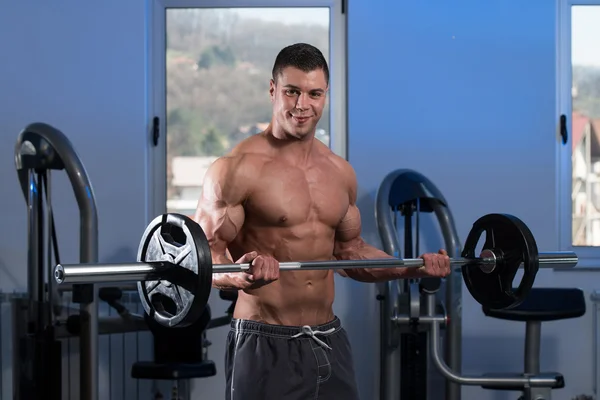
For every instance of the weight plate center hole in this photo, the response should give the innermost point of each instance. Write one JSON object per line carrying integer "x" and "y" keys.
{"x": 163, "y": 304}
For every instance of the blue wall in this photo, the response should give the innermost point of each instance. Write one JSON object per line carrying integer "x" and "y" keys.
{"x": 462, "y": 91}
{"x": 465, "y": 93}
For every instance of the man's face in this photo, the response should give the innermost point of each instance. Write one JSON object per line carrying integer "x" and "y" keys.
{"x": 298, "y": 99}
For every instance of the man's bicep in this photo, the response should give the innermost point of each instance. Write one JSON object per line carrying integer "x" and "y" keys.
{"x": 348, "y": 231}
{"x": 220, "y": 212}
{"x": 347, "y": 237}
{"x": 220, "y": 223}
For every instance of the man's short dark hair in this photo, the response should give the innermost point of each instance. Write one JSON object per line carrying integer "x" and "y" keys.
{"x": 303, "y": 56}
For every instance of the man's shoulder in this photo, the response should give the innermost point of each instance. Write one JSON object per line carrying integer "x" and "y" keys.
{"x": 341, "y": 163}
{"x": 242, "y": 163}
{"x": 345, "y": 171}
{"x": 252, "y": 149}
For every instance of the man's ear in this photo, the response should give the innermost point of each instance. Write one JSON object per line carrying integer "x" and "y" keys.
{"x": 272, "y": 85}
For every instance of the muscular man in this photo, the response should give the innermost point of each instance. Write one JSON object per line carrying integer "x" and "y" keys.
{"x": 282, "y": 195}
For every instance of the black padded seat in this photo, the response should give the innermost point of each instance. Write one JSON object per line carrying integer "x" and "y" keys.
{"x": 173, "y": 371}
{"x": 544, "y": 304}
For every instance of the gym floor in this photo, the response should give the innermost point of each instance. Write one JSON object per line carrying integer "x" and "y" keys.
{"x": 468, "y": 93}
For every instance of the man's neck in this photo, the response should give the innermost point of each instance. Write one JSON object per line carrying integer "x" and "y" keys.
{"x": 294, "y": 149}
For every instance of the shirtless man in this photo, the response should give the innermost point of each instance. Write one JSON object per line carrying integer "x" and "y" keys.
{"x": 282, "y": 195}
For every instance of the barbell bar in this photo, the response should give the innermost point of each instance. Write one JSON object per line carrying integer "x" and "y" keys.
{"x": 101, "y": 273}
{"x": 174, "y": 268}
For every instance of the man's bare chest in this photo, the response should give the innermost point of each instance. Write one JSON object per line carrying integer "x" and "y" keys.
{"x": 291, "y": 196}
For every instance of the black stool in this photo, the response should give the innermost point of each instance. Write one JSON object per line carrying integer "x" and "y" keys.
{"x": 541, "y": 305}
{"x": 178, "y": 353}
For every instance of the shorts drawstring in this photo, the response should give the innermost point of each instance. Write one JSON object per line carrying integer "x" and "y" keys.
{"x": 307, "y": 330}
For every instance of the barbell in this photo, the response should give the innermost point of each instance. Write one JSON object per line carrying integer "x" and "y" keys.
{"x": 174, "y": 266}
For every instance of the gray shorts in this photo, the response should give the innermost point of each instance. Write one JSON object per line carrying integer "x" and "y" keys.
{"x": 274, "y": 362}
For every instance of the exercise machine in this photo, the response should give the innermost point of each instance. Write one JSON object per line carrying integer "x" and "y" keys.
{"x": 40, "y": 149}
{"x": 403, "y": 348}
{"x": 39, "y": 322}
{"x": 420, "y": 305}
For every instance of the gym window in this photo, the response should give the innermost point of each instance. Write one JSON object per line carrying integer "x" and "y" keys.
{"x": 209, "y": 78}
{"x": 579, "y": 124}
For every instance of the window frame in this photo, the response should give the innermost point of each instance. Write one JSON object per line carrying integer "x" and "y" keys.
{"x": 156, "y": 80}
{"x": 589, "y": 256}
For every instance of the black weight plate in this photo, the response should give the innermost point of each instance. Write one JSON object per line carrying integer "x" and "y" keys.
{"x": 512, "y": 242}
{"x": 179, "y": 298}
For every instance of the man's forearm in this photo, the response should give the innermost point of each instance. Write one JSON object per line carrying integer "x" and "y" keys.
{"x": 366, "y": 252}
{"x": 225, "y": 280}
